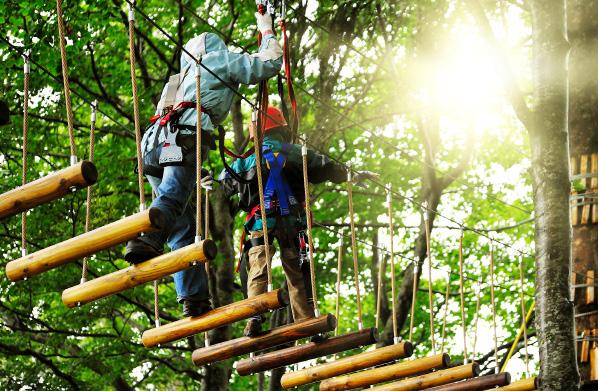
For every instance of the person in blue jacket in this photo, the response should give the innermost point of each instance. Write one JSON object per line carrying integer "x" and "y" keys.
{"x": 284, "y": 196}
{"x": 168, "y": 145}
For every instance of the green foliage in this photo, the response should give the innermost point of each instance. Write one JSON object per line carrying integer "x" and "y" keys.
{"x": 45, "y": 345}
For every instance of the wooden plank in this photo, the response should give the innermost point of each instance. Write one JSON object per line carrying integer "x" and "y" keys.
{"x": 428, "y": 380}
{"x": 522, "y": 385}
{"x": 386, "y": 373}
{"x": 141, "y": 273}
{"x": 85, "y": 244}
{"x": 278, "y": 336}
{"x": 585, "y": 346}
{"x": 218, "y": 317}
{"x": 309, "y": 351}
{"x": 585, "y": 209}
{"x": 590, "y": 290}
{"x": 347, "y": 364}
{"x": 48, "y": 188}
{"x": 477, "y": 383}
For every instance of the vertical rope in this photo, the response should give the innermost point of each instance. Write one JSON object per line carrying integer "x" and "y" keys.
{"x": 430, "y": 293}
{"x": 523, "y": 317}
{"x": 462, "y": 296}
{"x": 135, "y": 106}
{"x": 446, "y": 304}
{"x": 379, "y": 291}
{"x": 260, "y": 186}
{"x": 156, "y": 298}
{"x": 92, "y": 132}
{"x": 395, "y": 330}
{"x": 493, "y": 304}
{"x": 413, "y": 299}
{"x": 199, "y": 162}
{"x": 354, "y": 245}
{"x": 26, "y": 79}
{"x": 477, "y": 318}
{"x": 312, "y": 264}
{"x": 65, "y": 79}
{"x": 338, "y": 283}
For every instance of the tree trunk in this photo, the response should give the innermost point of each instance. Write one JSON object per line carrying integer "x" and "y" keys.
{"x": 583, "y": 140}
{"x": 550, "y": 178}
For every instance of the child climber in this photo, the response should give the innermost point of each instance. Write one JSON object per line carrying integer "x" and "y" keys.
{"x": 284, "y": 203}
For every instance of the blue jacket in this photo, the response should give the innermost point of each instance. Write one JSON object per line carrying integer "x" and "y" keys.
{"x": 233, "y": 68}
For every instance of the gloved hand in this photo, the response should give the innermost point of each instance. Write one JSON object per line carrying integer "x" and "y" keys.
{"x": 362, "y": 176}
{"x": 264, "y": 22}
{"x": 206, "y": 181}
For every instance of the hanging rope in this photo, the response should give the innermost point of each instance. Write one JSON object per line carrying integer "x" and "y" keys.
{"x": 379, "y": 291}
{"x": 26, "y": 79}
{"x": 198, "y": 157}
{"x": 310, "y": 239}
{"x": 354, "y": 245}
{"x": 430, "y": 293}
{"x": 136, "y": 106}
{"x": 395, "y": 330}
{"x": 493, "y": 305}
{"x": 446, "y": 303}
{"x": 523, "y": 317}
{"x": 413, "y": 298}
{"x": 260, "y": 186}
{"x": 462, "y": 296}
{"x": 338, "y": 284}
{"x": 65, "y": 78}
{"x": 92, "y": 132}
{"x": 477, "y": 318}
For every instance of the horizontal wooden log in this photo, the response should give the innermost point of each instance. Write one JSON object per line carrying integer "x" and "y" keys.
{"x": 309, "y": 351}
{"x": 429, "y": 380}
{"x": 278, "y": 336}
{"x": 85, "y": 244}
{"x": 48, "y": 188}
{"x": 521, "y": 385}
{"x": 218, "y": 317}
{"x": 347, "y": 365}
{"x": 386, "y": 373}
{"x": 141, "y": 273}
{"x": 477, "y": 383}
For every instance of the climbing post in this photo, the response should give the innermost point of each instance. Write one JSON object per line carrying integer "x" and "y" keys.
{"x": 354, "y": 244}
{"x": 26, "y": 78}
{"x": 65, "y": 79}
{"x": 92, "y": 128}
{"x": 135, "y": 106}
{"x": 429, "y": 256}
{"x": 462, "y": 296}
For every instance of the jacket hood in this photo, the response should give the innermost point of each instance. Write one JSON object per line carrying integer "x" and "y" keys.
{"x": 200, "y": 46}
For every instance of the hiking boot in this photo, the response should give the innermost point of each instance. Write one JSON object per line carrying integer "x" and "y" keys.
{"x": 253, "y": 327}
{"x": 138, "y": 251}
{"x": 196, "y": 307}
{"x": 319, "y": 337}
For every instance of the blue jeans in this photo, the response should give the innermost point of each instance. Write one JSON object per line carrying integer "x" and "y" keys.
{"x": 173, "y": 196}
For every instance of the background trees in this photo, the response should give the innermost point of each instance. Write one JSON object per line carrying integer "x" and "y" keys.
{"x": 409, "y": 89}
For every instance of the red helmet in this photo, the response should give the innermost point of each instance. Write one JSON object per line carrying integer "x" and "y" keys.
{"x": 274, "y": 119}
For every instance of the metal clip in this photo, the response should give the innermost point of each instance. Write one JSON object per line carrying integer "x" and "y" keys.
{"x": 316, "y": 312}
{"x": 304, "y": 149}
{"x": 197, "y": 238}
{"x": 73, "y": 160}
{"x": 349, "y": 172}
{"x": 269, "y": 287}
{"x": 23, "y": 252}
{"x": 94, "y": 109}
{"x": 141, "y": 207}
{"x": 131, "y": 13}
{"x": 83, "y": 280}
{"x": 397, "y": 340}
{"x": 26, "y": 65}
{"x": 157, "y": 322}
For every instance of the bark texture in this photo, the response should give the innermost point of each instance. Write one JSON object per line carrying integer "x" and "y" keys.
{"x": 550, "y": 178}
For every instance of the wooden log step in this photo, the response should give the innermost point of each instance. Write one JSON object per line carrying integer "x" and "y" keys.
{"x": 278, "y": 336}
{"x": 386, "y": 373}
{"x": 477, "y": 383}
{"x": 309, "y": 351}
{"x": 521, "y": 385}
{"x": 216, "y": 318}
{"x": 48, "y": 188}
{"x": 141, "y": 273}
{"x": 429, "y": 380}
{"x": 85, "y": 244}
{"x": 347, "y": 364}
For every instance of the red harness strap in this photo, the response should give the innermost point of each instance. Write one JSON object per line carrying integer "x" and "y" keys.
{"x": 181, "y": 106}
{"x": 289, "y": 78}
{"x": 247, "y": 218}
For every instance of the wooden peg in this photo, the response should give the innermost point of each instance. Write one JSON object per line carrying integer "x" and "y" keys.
{"x": 585, "y": 346}
{"x": 590, "y": 287}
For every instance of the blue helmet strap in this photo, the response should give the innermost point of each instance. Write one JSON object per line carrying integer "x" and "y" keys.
{"x": 277, "y": 185}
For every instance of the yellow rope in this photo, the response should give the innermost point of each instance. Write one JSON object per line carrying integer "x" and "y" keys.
{"x": 136, "y": 106}
{"x": 354, "y": 246}
{"x": 530, "y": 312}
